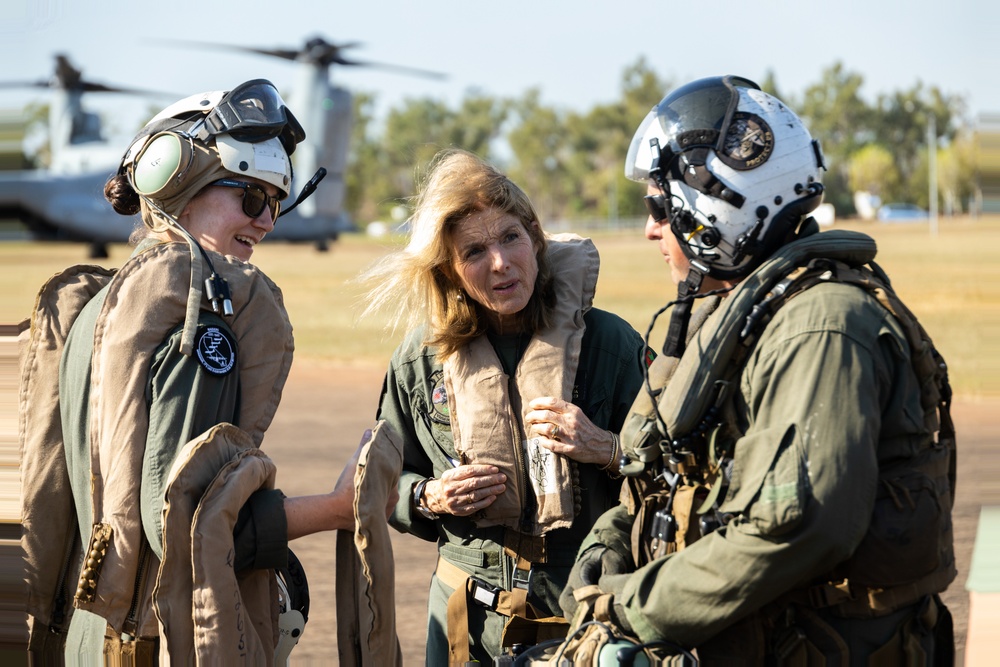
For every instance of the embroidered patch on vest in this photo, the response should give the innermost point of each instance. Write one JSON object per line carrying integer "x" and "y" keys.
{"x": 215, "y": 349}
{"x": 439, "y": 399}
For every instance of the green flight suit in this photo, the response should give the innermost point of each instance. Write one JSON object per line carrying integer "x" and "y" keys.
{"x": 608, "y": 377}
{"x": 826, "y": 398}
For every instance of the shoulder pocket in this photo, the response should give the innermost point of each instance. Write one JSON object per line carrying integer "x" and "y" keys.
{"x": 770, "y": 483}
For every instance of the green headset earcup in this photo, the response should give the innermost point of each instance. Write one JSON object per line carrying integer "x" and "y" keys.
{"x": 161, "y": 160}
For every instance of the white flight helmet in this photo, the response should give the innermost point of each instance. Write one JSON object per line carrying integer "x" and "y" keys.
{"x": 737, "y": 168}
{"x": 249, "y": 130}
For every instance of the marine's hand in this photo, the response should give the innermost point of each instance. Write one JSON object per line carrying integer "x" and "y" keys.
{"x": 615, "y": 584}
{"x": 593, "y": 564}
{"x": 561, "y": 427}
{"x": 464, "y": 490}
{"x": 330, "y": 511}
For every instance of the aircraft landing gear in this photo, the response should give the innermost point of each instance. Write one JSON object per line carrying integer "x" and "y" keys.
{"x": 98, "y": 250}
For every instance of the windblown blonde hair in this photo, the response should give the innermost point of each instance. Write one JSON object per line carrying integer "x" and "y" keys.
{"x": 417, "y": 284}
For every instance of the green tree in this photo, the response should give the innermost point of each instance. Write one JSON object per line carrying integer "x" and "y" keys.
{"x": 478, "y": 123}
{"x": 412, "y": 135}
{"x": 598, "y": 142}
{"x": 839, "y": 118}
{"x": 362, "y": 161}
{"x": 873, "y": 169}
{"x": 537, "y": 140}
{"x": 902, "y": 120}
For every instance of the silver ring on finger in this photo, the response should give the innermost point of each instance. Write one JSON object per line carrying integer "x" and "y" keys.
{"x": 555, "y": 431}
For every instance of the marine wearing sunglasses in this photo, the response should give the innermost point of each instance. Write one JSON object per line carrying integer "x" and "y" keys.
{"x": 255, "y": 198}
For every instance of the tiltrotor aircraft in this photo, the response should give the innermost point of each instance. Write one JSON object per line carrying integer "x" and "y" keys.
{"x": 65, "y": 201}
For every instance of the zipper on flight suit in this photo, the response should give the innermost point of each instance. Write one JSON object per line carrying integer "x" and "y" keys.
{"x": 130, "y": 626}
{"x": 59, "y": 603}
{"x": 522, "y": 468}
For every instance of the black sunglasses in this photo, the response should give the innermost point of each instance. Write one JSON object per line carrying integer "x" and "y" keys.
{"x": 657, "y": 206}
{"x": 255, "y": 198}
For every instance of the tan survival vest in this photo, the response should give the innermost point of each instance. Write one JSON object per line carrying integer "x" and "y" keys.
{"x": 146, "y": 299}
{"x": 366, "y": 574}
{"x": 487, "y": 408}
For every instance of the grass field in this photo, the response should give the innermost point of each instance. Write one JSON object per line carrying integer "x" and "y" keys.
{"x": 951, "y": 280}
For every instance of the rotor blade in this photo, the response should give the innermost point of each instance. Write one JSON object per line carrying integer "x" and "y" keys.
{"x": 402, "y": 69}
{"x": 285, "y": 54}
{"x": 315, "y": 50}
{"x": 25, "y": 84}
{"x": 93, "y": 87}
{"x": 86, "y": 87}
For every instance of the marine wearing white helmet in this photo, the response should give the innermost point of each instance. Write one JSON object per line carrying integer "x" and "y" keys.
{"x": 200, "y": 139}
{"x": 736, "y": 171}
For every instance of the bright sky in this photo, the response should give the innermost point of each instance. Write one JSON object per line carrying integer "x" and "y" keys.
{"x": 574, "y": 51}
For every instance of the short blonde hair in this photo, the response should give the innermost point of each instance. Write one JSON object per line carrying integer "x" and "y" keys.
{"x": 417, "y": 284}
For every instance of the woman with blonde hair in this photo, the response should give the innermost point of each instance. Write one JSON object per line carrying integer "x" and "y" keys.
{"x": 508, "y": 391}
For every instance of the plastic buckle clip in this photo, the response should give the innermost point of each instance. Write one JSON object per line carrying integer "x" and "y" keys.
{"x": 484, "y": 594}
{"x": 522, "y": 578}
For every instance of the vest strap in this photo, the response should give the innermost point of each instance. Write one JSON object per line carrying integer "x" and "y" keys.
{"x": 507, "y": 603}
{"x": 861, "y": 601}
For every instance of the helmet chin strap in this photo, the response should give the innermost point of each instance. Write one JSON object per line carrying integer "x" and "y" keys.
{"x": 676, "y": 340}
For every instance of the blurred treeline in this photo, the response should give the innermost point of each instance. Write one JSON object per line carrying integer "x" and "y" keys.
{"x": 571, "y": 162}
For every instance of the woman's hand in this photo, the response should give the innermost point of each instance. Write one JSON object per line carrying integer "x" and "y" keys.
{"x": 561, "y": 427}
{"x": 334, "y": 510}
{"x": 464, "y": 490}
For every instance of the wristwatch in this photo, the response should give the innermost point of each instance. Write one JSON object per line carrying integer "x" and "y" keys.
{"x": 418, "y": 500}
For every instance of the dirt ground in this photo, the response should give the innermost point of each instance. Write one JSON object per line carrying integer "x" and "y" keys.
{"x": 325, "y": 409}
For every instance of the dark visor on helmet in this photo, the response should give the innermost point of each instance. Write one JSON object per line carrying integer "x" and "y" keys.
{"x": 699, "y": 113}
{"x": 254, "y": 112}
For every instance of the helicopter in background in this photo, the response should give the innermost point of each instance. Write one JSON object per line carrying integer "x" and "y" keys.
{"x": 65, "y": 201}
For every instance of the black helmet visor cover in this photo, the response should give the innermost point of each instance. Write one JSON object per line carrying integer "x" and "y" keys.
{"x": 253, "y": 112}
{"x": 696, "y": 114}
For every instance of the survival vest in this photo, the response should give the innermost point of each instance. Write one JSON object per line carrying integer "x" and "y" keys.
{"x": 487, "y": 420}
{"x": 145, "y": 300}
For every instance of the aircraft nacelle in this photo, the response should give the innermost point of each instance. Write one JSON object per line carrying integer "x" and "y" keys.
{"x": 68, "y": 207}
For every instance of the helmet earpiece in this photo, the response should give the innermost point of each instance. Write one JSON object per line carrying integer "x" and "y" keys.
{"x": 159, "y": 168}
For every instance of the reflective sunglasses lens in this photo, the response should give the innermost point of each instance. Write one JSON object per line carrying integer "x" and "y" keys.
{"x": 254, "y": 201}
{"x": 656, "y": 205}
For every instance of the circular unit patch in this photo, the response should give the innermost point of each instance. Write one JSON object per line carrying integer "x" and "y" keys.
{"x": 216, "y": 350}
{"x": 439, "y": 411}
{"x": 748, "y": 143}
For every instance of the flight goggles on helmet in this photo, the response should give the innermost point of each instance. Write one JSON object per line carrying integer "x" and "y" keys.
{"x": 696, "y": 115}
{"x": 692, "y": 120}
{"x": 252, "y": 112}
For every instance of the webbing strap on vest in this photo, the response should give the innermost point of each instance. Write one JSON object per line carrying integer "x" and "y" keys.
{"x": 508, "y": 603}
{"x": 861, "y": 601}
